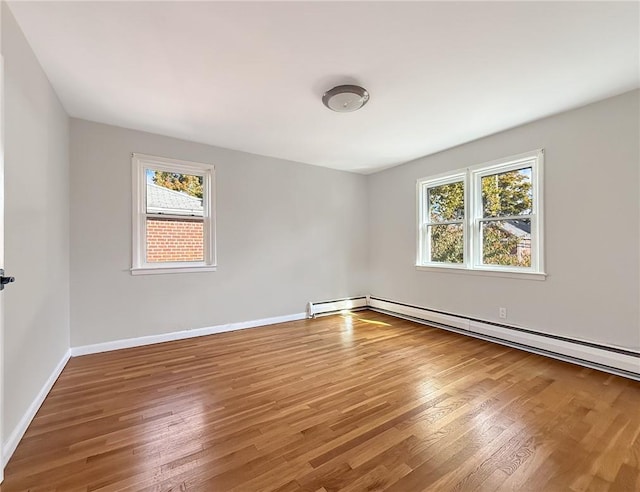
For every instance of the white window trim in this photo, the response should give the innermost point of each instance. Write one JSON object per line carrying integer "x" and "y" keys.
{"x": 139, "y": 164}
{"x": 471, "y": 178}
{"x": 483, "y": 272}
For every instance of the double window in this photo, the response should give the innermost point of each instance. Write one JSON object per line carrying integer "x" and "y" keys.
{"x": 486, "y": 218}
{"x": 173, "y": 215}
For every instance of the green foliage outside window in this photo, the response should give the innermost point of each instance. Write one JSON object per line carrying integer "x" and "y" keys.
{"x": 446, "y": 203}
{"x": 185, "y": 183}
{"x": 447, "y": 243}
{"x": 507, "y": 193}
{"x": 501, "y": 247}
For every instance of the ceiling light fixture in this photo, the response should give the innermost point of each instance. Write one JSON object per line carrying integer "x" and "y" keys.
{"x": 345, "y": 98}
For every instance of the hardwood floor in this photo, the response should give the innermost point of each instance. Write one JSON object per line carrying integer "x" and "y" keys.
{"x": 357, "y": 402}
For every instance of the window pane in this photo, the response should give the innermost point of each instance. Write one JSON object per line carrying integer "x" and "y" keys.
{"x": 170, "y": 240}
{"x": 446, "y": 202}
{"x": 506, "y": 242}
{"x": 447, "y": 243}
{"x": 509, "y": 193}
{"x": 174, "y": 193}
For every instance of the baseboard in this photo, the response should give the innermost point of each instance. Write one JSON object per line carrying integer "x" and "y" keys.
{"x": 323, "y": 308}
{"x": 10, "y": 445}
{"x": 614, "y": 360}
{"x": 181, "y": 335}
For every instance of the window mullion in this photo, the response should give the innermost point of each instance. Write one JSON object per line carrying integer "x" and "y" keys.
{"x": 475, "y": 195}
{"x": 199, "y": 218}
{"x": 506, "y": 217}
{"x": 444, "y": 222}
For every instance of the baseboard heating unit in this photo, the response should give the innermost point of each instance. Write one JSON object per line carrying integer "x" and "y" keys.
{"x": 615, "y": 360}
{"x": 332, "y": 307}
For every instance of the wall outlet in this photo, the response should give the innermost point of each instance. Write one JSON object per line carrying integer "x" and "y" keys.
{"x": 502, "y": 313}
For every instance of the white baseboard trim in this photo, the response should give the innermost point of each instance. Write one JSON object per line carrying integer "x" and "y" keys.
{"x": 10, "y": 445}
{"x": 181, "y": 335}
{"x": 321, "y": 308}
{"x": 622, "y": 362}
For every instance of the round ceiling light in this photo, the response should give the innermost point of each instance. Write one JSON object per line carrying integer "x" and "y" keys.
{"x": 345, "y": 98}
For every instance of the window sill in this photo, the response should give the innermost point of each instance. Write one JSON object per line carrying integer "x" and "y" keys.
{"x": 484, "y": 273}
{"x": 177, "y": 269}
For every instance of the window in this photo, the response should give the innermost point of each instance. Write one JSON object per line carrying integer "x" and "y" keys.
{"x": 485, "y": 218}
{"x": 444, "y": 220}
{"x": 173, "y": 219}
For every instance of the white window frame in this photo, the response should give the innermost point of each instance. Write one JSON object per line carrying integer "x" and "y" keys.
{"x": 139, "y": 165}
{"x": 472, "y": 182}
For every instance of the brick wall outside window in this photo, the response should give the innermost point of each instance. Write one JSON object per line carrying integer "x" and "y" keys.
{"x": 174, "y": 240}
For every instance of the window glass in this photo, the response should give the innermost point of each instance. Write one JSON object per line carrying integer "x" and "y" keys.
{"x": 507, "y": 194}
{"x": 171, "y": 240}
{"x": 446, "y": 202}
{"x": 506, "y": 242}
{"x": 447, "y": 243}
{"x": 174, "y": 193}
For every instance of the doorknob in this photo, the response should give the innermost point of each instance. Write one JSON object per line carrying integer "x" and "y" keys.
{"x": 5, "y": 280}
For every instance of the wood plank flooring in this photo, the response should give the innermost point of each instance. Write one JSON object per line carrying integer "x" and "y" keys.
{"x": 356, "y": 402}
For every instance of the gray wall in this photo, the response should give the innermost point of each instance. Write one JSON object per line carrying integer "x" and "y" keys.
{"x": 36, "y": 227}
{"x": 287, "y": 233}
{"x": 591, "y": 230}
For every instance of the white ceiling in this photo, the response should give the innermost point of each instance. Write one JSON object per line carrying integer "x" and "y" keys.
{"x": 250, "y": 76}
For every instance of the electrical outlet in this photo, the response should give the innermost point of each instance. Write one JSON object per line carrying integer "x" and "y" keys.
{"x": 502, "y": 312}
